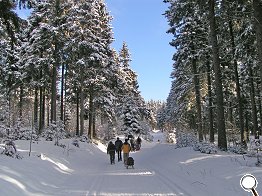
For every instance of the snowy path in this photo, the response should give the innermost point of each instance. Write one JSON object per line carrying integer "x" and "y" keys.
{"x": 160, "y": 170}
{"x": 98, "y": 177}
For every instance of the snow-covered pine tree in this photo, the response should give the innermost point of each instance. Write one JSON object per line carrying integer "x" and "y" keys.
{"x": 130, "y": 100}
{"x": 154, "y": 108}
{"x": 130, "y": 119}
{"x": 234, "y": 30}
{"x": 3, "y": 95}
{"x": 46, "y": 39}
{"x": 161, "y": 117}
{"x": 89, "y": 38}
{"x": 10, "y": 71}
{"x": 190, "y": 29}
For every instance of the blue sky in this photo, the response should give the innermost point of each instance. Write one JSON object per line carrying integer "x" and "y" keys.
{"x": 142, "y": 26}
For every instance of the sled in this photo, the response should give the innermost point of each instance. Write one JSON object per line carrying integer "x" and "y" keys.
{"x": 130, "y": 162}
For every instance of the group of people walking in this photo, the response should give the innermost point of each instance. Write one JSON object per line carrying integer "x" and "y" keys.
{"x": 119, "y": 146}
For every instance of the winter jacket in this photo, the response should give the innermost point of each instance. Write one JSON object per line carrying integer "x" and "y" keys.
{"x": 118, "y": 144}
{"x": 111, "y": 148}
{"x": 126, "y": 147}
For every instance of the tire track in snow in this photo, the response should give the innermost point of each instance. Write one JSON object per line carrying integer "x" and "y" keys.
{"x": 160, "y": 173}
{"x": 173, "y": 186}
{"x": 95, "y": 188}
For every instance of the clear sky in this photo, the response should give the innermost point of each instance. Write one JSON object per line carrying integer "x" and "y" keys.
{"x": 142, "y": 26}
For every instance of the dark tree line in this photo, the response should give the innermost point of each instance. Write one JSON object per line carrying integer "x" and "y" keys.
{"x": 216, "y": 87}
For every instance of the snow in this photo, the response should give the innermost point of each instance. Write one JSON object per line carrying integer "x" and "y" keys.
{"x": 160, "y": 170}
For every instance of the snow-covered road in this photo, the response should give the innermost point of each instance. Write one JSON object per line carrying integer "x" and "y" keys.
{"x": 160, "y": 170}
{"x": 98, "y": 177}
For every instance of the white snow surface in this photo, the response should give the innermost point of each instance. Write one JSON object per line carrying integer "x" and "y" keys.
{"x": 159, "y": 170}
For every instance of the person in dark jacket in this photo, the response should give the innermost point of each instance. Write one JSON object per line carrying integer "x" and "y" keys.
{"x": 138, "y": 143}
{"x": 118, "y": 144}
{"x": 111, "y": 150}
{"x": 132, "y": 143}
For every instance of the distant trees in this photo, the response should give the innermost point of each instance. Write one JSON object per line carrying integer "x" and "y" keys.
{"x": 156, "y": 109}
{"x": 217, "y": 71}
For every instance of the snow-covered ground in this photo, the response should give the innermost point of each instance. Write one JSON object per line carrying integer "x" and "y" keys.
{"x": 160, "y": 170}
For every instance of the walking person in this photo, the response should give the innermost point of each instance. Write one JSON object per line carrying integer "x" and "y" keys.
{"x": 132, "y": 144}
{"x": 138, "y": 141}
{"x": 126, "y": 149}
{"x": 111, "y": 150}
{"x": 118, "y": 144}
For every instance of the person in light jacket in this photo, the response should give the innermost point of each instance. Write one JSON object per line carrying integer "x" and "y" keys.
{"x": 126, "y": 149}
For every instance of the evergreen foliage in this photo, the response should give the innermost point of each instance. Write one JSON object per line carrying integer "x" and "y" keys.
{"x": 185, "y": 139}
{"x": 61, "y": 63}
{"x": 194, "y": 102}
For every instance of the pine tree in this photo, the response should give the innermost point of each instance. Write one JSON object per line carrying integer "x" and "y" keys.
{"x": 222, "y": 142}
{"x": 257, "y": 6}
{"x": 10, "y": 71}
{"x": 189, "y": 30}
{"x": 88, "y": 24}
{"x": 132, "y": 105}
{"x": 232, "y": 38}
{"x": 131, "y": 119}
{"x": 38, "y": 58}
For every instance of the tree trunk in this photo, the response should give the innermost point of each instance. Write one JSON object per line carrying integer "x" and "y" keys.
{"x": 36, "y": 110}
{"x": 62, "y": 94}
{"x": 91, "y": 109}
{"x": 198, "y": 100}
{"x": 48, "y": 110}
{"x": 230, "y": 113}
{"x": 81, "y": 107}
{"x": 210, "y": 105}
{"x": 53, "y": 95}
{"x": 94, "y": 123}
{"x": 259, "y": 107}
{"x": 42, "y": 109}
{"x": 77, "y": 114}
{"x": 253, "y": 102}
{"x": 222, "y": 141}
{"x": 247, "y": 126}
{"x": 65, "y": 88}
{"x": 257, "y": 7}
{"x": 55, "y": 67}
{"x": 238, "y": 90}
{"x": 21, "y": 95}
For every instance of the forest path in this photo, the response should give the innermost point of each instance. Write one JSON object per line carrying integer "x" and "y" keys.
{"x": 160, "y": 170}
{"x": 94, "y": 175}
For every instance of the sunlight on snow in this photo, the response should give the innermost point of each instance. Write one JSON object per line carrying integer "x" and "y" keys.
{"x": 61, "y": 166}
{"x": 10, "y": 171}
{"x": 134, "y": 194}
{"x": 13, "y": 181}
{"x": 101, "y": 147}
{"x": 147, "y": 173}
{"x": 49, "y": 185}
{"x": 200, "y": 158}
